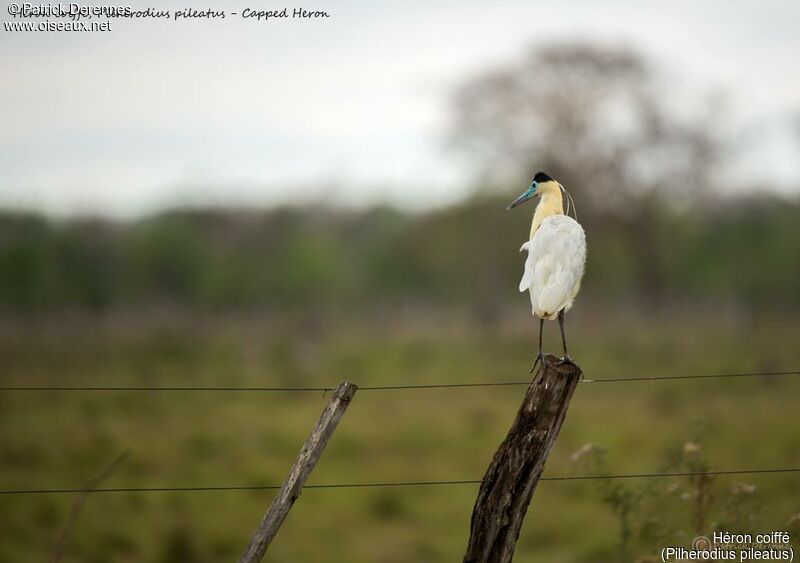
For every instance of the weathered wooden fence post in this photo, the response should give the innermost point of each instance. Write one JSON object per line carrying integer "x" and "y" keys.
{"x": 508, "y": 485}
{"x": 306, "y": 460}
{"x": 77, "y": 505}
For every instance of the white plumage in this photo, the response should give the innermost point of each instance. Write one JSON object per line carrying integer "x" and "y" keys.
{"x": 555, "y": 265}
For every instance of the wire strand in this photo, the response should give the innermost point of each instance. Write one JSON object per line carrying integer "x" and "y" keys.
{"x": 398, "y": 387}
{"x": 147, "y": 389}
{"x": 394, "y": 483}
{"x": 700, "y": 376}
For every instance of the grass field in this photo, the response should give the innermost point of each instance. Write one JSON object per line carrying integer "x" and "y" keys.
{"x": 50, "y": 440}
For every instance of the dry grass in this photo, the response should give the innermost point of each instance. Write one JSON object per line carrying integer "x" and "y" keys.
{"x": 54, "y": 440}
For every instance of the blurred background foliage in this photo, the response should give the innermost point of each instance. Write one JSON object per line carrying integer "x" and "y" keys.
{"x": 742, "y": 251}
{"x": 645, "y": 179}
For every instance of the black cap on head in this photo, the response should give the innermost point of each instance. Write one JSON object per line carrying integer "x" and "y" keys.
{"x": 541, "y": 177}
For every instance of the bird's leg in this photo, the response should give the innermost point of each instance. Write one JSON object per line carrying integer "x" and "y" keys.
{"x": 539, "y": 356}
{"x": 566, "y": 358}
{"x": 561, "y": 326}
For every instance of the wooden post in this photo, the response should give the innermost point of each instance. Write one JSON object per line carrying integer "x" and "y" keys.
{"x": 508, "y": 485}
{"x": 306, "y": 460}
{"x": 77, "y": 505}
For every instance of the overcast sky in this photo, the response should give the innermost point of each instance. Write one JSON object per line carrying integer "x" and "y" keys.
{"x": 353, "y": 107}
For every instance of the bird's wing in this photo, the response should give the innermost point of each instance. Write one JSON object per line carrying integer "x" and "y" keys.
{"x": 555, "y": 264}
{"x": 527, "y": 274}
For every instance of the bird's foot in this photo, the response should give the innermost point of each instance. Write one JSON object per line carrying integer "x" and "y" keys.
{"x": 567, "y": 359}
{"x": 539, "y": 359}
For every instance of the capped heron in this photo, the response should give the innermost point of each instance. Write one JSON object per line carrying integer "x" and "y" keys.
{"x": 556, "y": 255}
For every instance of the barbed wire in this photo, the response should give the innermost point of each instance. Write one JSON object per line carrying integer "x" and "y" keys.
{"x": 396, "y": 483}
{"x": 392, "y": 387}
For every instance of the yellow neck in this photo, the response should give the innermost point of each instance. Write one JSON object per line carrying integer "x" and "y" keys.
{"x": 551, "y": 203}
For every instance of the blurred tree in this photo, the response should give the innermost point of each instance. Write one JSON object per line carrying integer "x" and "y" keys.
{"x": 26, "y": 269}
{"x": 170, "y": 255}
{"x": 90, "y": 265}
{"x": 597, "y": 119}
